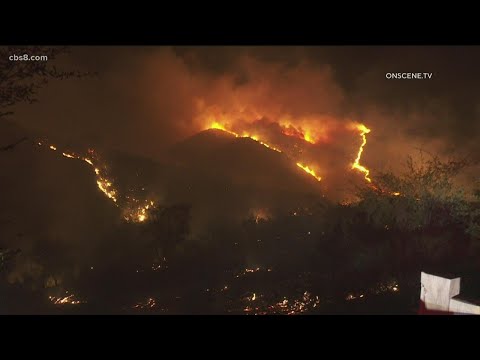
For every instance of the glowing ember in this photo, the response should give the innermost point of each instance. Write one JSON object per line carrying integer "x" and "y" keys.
{"x": 66, "y": 300}
{"x": 105, "y": 187}
{"x": 260, "y": 215}
{"x": 70, "y": 156}
{"x": 160, "y": 264}
{"x": 137, "y": 212}
{"x": 381, "y": 288}
{"x": 286, "y": 307}
{"x": 51, "y": 147}
{"x": 356, "y": 165}
{"x": 150, "y": 303}
{"x": 309, "y": 171}
{"x": 251, "y": 271}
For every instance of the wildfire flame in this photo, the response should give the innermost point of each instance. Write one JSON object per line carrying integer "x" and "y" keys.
{"x": 356, "y": 165}
{"x": 103, "y": 183}
{"x": 291, "y": 130}
{"x": 68, "y": 155}
{"x": 216, "y": 125}
{"x": 105, "y": 187}
{"x": 137, "y": 212}
{"x": 306, "y": 135}
{"x": 309, "y": 171}
{"x": 133, "y": 210}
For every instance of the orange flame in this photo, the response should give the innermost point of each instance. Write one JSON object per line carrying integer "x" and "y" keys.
{"x": 299, "y": 133}
{"x": 133, "y": 211}
{"x": 103, "y": 183}
{"x": 308, "y": 137}
{"x": 356, "y": 165}
{"x": 218, "y": 126}
{"x": 309, "y": 171}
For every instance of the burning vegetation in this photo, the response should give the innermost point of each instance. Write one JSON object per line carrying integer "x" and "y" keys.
{"x": 356, "y": 165}
{"x": 304, "y": 135}
{"x": 252, "y": 228}
{"x": 257, "y": 306}
{"x": 331, "y": 241}
{"x": 134, "y": 210}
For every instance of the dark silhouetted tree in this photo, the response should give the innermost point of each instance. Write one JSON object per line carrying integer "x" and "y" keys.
{"x": 422, "y": 196}
{"x": 20, "y": 81}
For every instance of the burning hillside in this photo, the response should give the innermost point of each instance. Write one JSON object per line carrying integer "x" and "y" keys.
{"x": 294, "y": 141}
{"x": 132, "y": 208}
{"x": 293, "y": 146}
{"x": 228, "y": 180}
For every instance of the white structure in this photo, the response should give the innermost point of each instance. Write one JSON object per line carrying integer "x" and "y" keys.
{"x": 458, "y": 306}
{"x": 437, "y": 293}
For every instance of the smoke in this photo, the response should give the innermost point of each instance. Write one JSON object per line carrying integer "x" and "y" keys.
{"x": 146, "y": 101}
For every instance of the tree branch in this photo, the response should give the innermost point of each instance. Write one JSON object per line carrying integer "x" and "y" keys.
{"x": 11, "y": 146}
